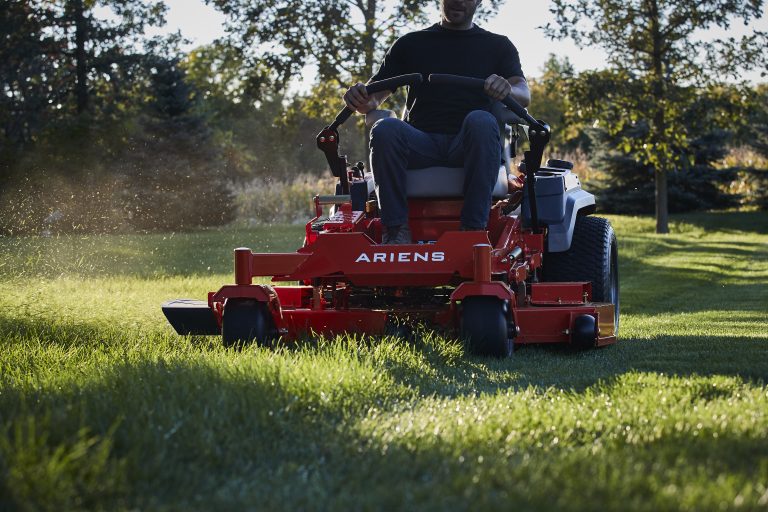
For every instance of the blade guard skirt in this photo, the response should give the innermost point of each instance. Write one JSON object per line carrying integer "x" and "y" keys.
{"x": 188, "y": 316}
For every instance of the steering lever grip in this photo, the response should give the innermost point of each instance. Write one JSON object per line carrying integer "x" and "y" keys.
{"x": 389, "y": 84}
{"x": 479, "y": 84}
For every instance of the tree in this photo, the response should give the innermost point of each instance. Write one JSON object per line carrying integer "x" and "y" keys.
{"x": 758, "y": 121}
{"x": 551, "y": 102}
{"x": 344, "y": 39}
{"x": 57, "y": 55}
{"x": 264, "y": 134}
{"x": 173, "y": 158}
{"x": 58, "y": 58}
{"x": 627, "y": 185}
{"x": 101, "y": 48}
{"x": 654, "y": 53}
{"x": 31, "y": 85}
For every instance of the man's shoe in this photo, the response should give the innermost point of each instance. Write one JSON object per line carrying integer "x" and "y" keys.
{"x": 396, "y": 235}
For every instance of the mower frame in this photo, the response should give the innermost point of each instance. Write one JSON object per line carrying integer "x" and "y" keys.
{"x": 485, "y": 286}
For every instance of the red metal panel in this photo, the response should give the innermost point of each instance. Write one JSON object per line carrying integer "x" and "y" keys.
{"x": 561, "y": 293}
{"x": 519, "y": 272}
{"x": 358, "y": 259}
{"x": 543, "y": 324}
{"x": 537, "y": 324}
{"x": 344, "y": 219}
{"x": 534, "y": 242}
{"x": 277, "y": 264}
{"x": 492, "y": 289}
{"x": 431, "y": 229}
{"x": 509, "y": 234}
{"x": 329, "y": 322}
{"x": 294, "y": 296}
{"x": 435, "y": 209}
{"x": 260, "y": 292}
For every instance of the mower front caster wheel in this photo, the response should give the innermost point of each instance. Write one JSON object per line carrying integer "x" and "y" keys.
{"x": 246, "y": 321}
{"x": 484, "y": 327}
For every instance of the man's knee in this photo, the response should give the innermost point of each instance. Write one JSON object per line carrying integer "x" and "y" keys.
{"x": 386, "y": 132}
{"x": 481, "y": 121}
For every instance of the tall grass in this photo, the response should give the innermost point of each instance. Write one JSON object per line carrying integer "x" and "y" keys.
{"x": 288, "y": 202}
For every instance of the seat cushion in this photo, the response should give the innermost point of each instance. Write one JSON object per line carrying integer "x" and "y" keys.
{"x": 447, "y": 182}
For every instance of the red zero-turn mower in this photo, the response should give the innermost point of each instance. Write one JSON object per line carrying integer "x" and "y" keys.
{"x": 544, "y": 271}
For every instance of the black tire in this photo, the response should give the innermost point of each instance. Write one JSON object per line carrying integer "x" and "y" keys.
{"x": 594, "y": 257}
{"x": 484, "y": 327}
{"x": 246, "y": 321}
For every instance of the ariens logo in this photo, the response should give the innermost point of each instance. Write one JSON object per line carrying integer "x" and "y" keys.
{"x": 400, "y": 257}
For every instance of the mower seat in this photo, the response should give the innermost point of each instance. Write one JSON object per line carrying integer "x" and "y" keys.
{"x": 448, "y": 182}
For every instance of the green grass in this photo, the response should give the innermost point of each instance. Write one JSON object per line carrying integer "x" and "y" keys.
{"x": 102, "y": 407}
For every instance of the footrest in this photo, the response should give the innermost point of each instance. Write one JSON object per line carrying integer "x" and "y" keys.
{"x": 188, "y": 316}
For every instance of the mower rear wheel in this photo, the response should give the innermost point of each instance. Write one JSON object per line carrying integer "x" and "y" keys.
{"x": 246, "y": 321}
{"x": 484, "y": 327}
{"x": 594, "y": 257}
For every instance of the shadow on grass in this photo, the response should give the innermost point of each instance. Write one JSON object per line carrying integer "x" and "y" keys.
{"x": 561, "y": 367}
{"x": 723, "y": 284}
{"x": 194, "y": 435}
{"x": 186, "y": 429}
{"x": 747, "y": 222}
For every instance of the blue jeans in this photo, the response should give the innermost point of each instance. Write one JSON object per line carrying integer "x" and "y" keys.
{"x": 397, "y": 146}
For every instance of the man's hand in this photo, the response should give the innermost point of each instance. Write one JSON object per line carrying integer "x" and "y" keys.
{"x": 497, "y": 87}
{"x": 358, "y": 99}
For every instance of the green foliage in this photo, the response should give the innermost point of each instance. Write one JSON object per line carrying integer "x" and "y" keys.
{"x": 715, "y": 118}
{"x": 138, "y": 171}
{"x": 114, "y": 412}
{"x": 344, "y": 40}
{"x": 31, "y": 84}
{"x": 655, "y": 53}
{"x": 626, "y": 185}
{"x": 54, "y": 51}
{"x": 757, "y": 134}
{"x": 638, "y": 32}
{"x": 551, "y": 102}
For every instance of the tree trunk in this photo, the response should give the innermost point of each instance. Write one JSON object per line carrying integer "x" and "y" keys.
{"x": 369, "y": 48}
{"x": 658, "y": 130}
{"x": 369, "y": 37}
{"x": 81, "y": 29}
{"x": 662, "y": 209}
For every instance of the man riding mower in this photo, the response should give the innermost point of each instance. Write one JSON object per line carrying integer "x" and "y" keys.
{"x": 543, "y": 272}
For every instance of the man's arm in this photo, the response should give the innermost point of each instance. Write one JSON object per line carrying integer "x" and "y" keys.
{"x": 358, "y": 99}
{"x": 520, "y": 90}
{"x": 499, "y": 88}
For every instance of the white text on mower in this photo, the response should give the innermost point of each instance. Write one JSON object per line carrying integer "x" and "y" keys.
{"x": 400, "y": 257}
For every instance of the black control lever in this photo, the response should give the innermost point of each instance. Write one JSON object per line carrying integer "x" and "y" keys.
{"x": 390, "y": 84}
{"x": 328, "y": 138}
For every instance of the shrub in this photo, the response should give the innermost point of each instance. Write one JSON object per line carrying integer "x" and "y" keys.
{"x": 627, "y": 186}
{"x": 266, "y": 201}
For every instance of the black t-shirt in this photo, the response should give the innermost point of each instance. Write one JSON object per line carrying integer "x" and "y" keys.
{"x": 474, "y": 52}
